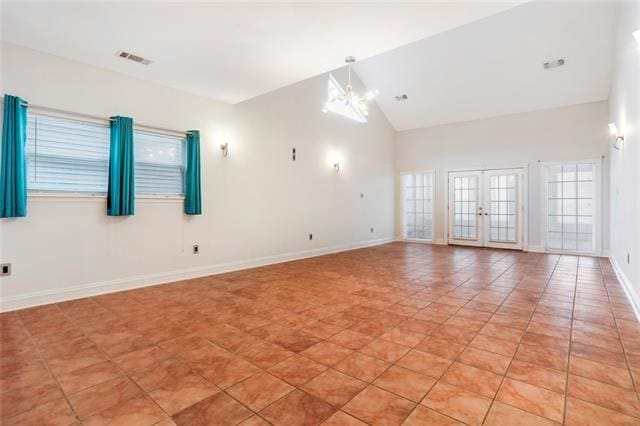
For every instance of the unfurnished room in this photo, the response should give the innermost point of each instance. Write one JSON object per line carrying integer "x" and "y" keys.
{"x": 320, "y": 213}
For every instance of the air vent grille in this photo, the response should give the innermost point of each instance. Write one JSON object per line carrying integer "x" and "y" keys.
{"x": 135, "y": 58}
{"x": 402, "y": 97}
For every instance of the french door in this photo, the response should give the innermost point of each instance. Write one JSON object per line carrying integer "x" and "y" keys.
{"x": 485, "y": 208}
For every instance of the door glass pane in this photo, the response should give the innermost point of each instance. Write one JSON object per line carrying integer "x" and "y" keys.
{"x": 502, "y": 223}
{"x": 418, "y": 204}
{"x": 465, "y": 208}
{"x": 570, "y": 207}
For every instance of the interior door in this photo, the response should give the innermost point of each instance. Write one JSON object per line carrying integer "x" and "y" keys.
{"x": 485, "y": 208}
{"x": 465, "y": 213}
{"x": 502, "y": 208}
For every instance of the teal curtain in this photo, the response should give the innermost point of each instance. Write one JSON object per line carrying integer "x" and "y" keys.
{"x": 121, "y": 196}
{"x": 192, "y": 195}
{"x": 13, "y": 169}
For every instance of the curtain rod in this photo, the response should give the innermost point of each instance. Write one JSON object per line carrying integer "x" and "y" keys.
{"x": 95, "y": 117}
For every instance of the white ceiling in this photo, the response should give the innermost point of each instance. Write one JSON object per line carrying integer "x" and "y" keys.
{"x": 232, "y": 51}
{"x": 494, "y": 67}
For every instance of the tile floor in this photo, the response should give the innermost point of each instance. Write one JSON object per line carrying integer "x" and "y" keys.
{"x": 397, "y": 334}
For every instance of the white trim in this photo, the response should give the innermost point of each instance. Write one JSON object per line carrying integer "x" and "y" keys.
{"x": 12, "y": 303}
{"x": 536, "y": 249}
{"x": 74, "y": 197}
{"x": 627, "y": 286}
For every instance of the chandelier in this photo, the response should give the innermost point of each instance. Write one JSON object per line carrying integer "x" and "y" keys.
{"x": 347, "y": 102}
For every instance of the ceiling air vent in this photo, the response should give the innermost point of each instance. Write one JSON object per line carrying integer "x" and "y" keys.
{"x": 402, "y": 97}
{"x": 135, "y": 58}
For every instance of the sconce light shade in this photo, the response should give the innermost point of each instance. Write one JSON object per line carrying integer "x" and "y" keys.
{"x": 613, "y": 129}
{"x": 225, "y": 149}
{"x": 636, "y": 35}
{"x": 337, "y": 167}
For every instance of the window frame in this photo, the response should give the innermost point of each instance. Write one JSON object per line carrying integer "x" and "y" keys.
{"x": 403, "y": 220}
{"x": 183, "y": 167}
{"x": 61, "y": 195}
{"x": 597, "y": 206}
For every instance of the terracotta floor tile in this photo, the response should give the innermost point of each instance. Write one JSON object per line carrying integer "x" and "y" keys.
{"x": 533, "y": 399}
{"x": 140, "y": 359}
{"x": 26, "y": 398}
{"x": 340, "y": 418}
{"x": 502, "y": 414}
{"x": 533, "y": 374}
{"x": 385, "y": 350}
{"x": 334, "y": 387}
{"x": 296, "y": 341}
{"x": 493, "y": 344}
{"x": 266, "y": 354}
{"x": 424, "y": 363}
{"x": 326, "y": 353}
{"x": 377, "y": 406}
{"x": 259, "y": 391}
{"x": 441, "y": 348}
{"x": 485, "y": 360}
{"x": 54, "y": 413}
{"x": 425, "y": 416}
{"x": 83, "y": 378}
{"x": 361, "y": 366}
{"x": 580, "y": 413}
{"x": 177, "y": 394}
{"x": 405, "y": 383}
{"x": 137, "y": 411}
{"x": 608, "y": 396}
{"x": 219, "y": 409}
{"x": 350, "y": 339}
{"x": 103, "y": 396}
{"x": 297, "y": 370}
{"x": 473, "y": 379}
{"x": 298, "y": 408}
{"x": 458, "y": 403}
{"x": 417, "y": 306}
{"x": 165, "y": 371}
{"x": 601, "y": 372}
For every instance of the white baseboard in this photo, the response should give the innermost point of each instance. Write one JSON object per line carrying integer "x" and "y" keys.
{"x": 536, "y": 249}
{"x": 627, "y": 287}
{"x": 93, "y": 289}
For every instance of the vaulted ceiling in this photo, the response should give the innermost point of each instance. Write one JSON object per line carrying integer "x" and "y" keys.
{"x": 456, "y": 61}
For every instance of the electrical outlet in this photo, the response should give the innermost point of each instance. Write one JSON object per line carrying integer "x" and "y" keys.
{"x": 361, "y": 195}
{"x": 310, "y": 237}
{"x": 372, "y": 229}
{"x": 196, "y": 249}
{"x": 293, "y": 154}
{"x": 628, "y": 258}
{"x": 5, "y": 270}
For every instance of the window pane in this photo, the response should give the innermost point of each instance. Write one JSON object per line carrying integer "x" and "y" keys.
{"x": 67, "y": 155}
{"x": 418, "y": 197}
{"x": 159, "y": 164}
{"x": 570, "y": 207}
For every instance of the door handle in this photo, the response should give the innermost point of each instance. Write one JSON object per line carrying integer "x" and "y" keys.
{"x": 486, "y": 214}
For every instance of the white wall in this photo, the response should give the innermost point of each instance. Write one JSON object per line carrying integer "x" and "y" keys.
{"x": 570, "y": 133}
{"x": 624, "y": 109}
{"x": 258, "y": 205}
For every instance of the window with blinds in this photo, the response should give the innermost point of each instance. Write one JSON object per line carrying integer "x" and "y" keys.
{"x": 159, "y": 163}
{"x": 66, "y": 155}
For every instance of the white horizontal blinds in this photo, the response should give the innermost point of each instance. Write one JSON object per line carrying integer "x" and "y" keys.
{"x": 418, "y": 202}
{"x": 570, "y": 203}
{"x": 66, "y": 155}
{"x": 159, "y": 163}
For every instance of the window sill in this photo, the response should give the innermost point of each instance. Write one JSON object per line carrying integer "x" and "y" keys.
{"x": 55, "y": 197}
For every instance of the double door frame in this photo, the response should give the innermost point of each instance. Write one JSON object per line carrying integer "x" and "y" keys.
{"x": 524, "y": 209}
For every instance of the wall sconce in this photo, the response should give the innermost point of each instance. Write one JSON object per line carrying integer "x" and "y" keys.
{"x": 636, "y": 35}
{"x": 225, "y": 149}
{"x": 619, "y": 137}
{"x": 337, "y": 167}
